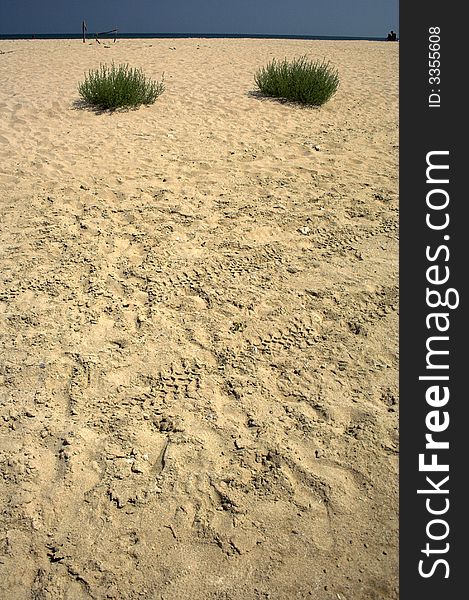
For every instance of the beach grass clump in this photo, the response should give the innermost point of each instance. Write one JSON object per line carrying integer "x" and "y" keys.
{"x": 311, "y": 82}
{"x": 121, "y": 86}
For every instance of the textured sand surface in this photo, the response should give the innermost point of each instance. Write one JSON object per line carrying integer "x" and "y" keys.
{"x": 198, "y": 323}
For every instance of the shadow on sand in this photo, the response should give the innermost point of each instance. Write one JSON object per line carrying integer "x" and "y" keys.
{"x": 99, "y": 110}
{"x": 258, "y": 95}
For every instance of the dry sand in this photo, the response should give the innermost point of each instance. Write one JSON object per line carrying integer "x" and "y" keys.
{"x": 198, "y": 315}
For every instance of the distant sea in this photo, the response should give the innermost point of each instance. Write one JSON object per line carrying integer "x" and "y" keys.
{"x": 91, "y": 36}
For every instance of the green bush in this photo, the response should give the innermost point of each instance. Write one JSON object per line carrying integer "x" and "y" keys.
{"x": 301, "y": 80}
{"x": 115, "y": 87}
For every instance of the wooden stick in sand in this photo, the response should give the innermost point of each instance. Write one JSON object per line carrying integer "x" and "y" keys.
{"x": 114, "y": 31}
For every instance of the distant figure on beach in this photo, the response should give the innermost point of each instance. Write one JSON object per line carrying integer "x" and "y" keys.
{"x": 392, "y": 36}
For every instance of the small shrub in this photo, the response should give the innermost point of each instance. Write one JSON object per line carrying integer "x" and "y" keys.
{"x": 302, "y": 80}
{"x": 119, "y": 86}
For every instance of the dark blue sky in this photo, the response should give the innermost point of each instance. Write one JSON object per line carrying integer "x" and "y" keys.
{"x": 354, "y": 18}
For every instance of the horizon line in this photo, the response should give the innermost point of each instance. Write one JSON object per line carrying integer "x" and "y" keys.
{"x": 91, "y": 35}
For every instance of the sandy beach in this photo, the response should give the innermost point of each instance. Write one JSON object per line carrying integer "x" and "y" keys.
{"x": 198, "y": 327}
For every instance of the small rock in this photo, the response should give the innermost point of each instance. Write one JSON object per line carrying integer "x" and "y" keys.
{"x": 304, "y": 230}
{"x": 137, "y": 467}
{"x": 66, "y": 455}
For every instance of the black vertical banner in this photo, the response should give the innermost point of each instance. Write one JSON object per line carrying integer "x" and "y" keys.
{"x": 434, "y": 267}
